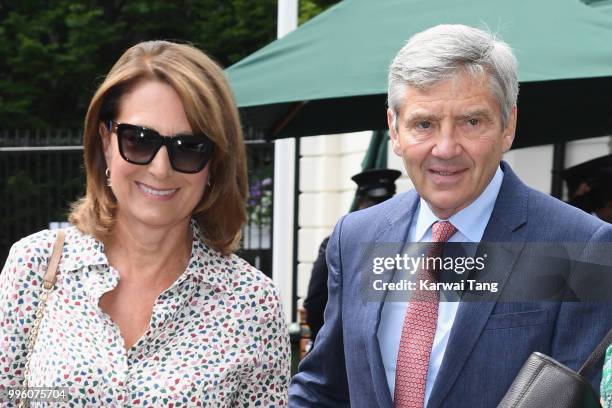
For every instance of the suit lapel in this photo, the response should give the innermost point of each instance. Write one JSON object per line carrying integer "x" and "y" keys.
{"x": 504, "y": 227}
{"x": 399, "y": 222}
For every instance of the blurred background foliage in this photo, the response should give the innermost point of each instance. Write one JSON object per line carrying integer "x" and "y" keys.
{"x": 54, "y": 53}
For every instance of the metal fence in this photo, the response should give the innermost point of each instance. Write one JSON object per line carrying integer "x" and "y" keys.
{"x": 41, "y": 174}
{"x": 257, "y": 233}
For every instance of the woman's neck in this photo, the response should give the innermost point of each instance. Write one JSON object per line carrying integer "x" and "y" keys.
{"x": 156, "y": 254}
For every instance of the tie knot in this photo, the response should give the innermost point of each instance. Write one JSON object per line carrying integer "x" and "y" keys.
{"x": 441, "y": 231}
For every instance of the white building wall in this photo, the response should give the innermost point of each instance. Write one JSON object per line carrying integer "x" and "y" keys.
{"x": 328, "y": 162}
{"x": 327, "y": 191}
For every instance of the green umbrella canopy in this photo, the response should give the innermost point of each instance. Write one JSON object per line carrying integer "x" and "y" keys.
{"x": 330, "y": 75}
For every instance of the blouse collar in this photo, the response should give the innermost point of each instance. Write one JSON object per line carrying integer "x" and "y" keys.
{"x": 205, "y": 264}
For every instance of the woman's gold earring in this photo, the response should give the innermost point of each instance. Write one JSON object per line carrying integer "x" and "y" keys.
{"x": 108, "y": 180}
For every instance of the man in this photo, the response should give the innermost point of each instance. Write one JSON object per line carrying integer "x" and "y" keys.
{"x": 452, "y": 114}
{"x": 590, "y": 186}
{"x": 373, "y": 187}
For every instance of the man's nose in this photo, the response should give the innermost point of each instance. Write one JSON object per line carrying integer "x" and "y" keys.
{"x": 446, "y": 143}
{"x": 160, "y": 165}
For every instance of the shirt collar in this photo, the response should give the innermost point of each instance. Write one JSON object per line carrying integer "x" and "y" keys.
{"x": 205, "y": 264}
{"x": 81, "y": 250}
{"x": 470, "y": 221}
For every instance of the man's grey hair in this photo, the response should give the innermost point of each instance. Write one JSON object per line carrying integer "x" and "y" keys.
{"x": 441, "y": 52}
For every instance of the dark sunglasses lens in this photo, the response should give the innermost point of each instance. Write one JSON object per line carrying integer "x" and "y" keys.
{"x": 137, "y": 145}
{"x": 191, "y": 153}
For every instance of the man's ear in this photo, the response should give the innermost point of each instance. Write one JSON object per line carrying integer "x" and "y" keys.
{"x": 393, "y": 134}
{"x": 509, "y": 131}
{"x": 105, "y": 136}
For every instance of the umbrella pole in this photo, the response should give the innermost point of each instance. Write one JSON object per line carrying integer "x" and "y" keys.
{"x": 284, "y": 162}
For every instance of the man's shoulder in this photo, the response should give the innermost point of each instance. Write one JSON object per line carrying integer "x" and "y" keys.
{"x": 555, "y": 215}
{"x": 546, "y": 218}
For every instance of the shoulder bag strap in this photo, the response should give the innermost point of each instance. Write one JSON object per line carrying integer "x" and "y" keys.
{"x": 51, "y": 275}
{"x": 597, "y": 355}
{"x": 48, "y": 285}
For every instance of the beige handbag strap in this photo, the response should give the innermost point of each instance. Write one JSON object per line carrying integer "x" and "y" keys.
{"x": 51, "y": 275}
{"x": 48, "y": 285}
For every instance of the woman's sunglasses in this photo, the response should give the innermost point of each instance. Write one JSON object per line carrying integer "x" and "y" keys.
{"x": 139, "y": 145}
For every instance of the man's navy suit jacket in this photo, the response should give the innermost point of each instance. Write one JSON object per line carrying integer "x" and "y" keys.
{"x": 489, "y": 341}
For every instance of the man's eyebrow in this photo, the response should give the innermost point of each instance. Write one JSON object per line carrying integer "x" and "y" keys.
{"x": 412, "y": 117}
{"x": 476, "y": 113}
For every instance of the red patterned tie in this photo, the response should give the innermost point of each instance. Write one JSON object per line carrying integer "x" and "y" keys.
{"x": 419, "y": 329}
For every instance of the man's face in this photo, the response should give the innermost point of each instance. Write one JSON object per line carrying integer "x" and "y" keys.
{"x": 451, "y": 139}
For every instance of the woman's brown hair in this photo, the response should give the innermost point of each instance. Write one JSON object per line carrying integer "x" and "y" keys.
{"x": 210, "y": 109}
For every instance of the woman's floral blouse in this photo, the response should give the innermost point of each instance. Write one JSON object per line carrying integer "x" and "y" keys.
{"x": 217, "y": 336}
{"x": 606, "y": 380}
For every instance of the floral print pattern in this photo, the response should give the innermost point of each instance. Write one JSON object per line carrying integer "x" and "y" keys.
{"x": 606, "y": 380}
{"x": 217, "y": 336}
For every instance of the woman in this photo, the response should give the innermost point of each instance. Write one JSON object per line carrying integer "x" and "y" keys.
{"x": 150, "y": 307}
